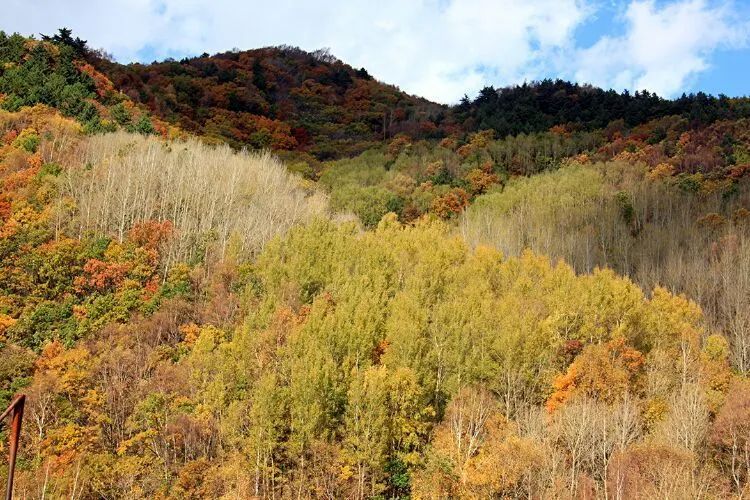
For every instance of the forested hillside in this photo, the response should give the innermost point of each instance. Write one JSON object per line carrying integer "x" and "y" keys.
{"x": 540, "y": 293}
{"x": 538, "y": 106}
{"x": 281, "y": 98}
{"x": 55, "y": 71}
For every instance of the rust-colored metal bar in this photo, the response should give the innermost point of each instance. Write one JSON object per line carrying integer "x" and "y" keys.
{"x": 15, "y": 411}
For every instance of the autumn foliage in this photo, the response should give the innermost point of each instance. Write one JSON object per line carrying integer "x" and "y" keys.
{"x": 414, "y": 301}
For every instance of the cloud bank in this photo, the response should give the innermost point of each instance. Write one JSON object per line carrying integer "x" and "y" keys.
{"x": 662, "y": 47}
{"x": 439, "y": 49}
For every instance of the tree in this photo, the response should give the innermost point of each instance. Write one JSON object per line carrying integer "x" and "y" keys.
{"x": 730, "y": 434}
{"x": 474, "y": 452}
{"x": 606, "y": 372}
{"x": 64, "y": 36}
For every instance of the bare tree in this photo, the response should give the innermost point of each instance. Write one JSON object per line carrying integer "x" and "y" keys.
{"x": 212, "y": 195}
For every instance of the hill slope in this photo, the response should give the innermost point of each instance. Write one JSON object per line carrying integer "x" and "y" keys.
{"x": 189, "y": 322}
{"x": 277, "y": 97}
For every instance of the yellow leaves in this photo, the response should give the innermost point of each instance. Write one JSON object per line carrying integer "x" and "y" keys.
{"x": 453, "y": 315}
{"x": 115, "y": 252}
{"x": 605, "y": 306}
{"x": 411, "y": 417}
{"x": 655, "y": 411}
{"x": 475, "y": 453}
{"x": 715, "y": 371}
{"x": 502, "y": 463}
{"x": 661, "y": 171}
{"x": 672, "y": 319}
{"x": 209, "y": 337}
{"x": 715, "y": 349}
{"x": 487, "y": 255}
{"x": 139, "y": 441}
{"x": 24, "y": 215}
{"x": 41, "y": 119}
{"x": 64, "y": 444}
{"x": 179, "y": 273}
{"x": 69, "y": 367}
{"x": 346, "y": 472}
{"x": 478, "y": 141}
{"x": 389, "y": 222}
{"x": 28, "y": 140}
{"x": 92, "y": 403}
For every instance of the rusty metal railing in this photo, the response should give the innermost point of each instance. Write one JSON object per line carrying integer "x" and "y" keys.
{"x": 15, "y": 413}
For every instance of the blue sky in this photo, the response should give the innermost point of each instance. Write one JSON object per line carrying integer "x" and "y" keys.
{"x": 439, "y": 49}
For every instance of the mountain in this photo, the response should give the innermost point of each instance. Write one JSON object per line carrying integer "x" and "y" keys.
{"x": 278, "y": 97}
{"x": 542, "y": 292}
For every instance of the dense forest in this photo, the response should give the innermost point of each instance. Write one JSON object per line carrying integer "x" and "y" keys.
{"x": 541, "y": 105}
{"x": 264, "y": 274}
{"x": 281, "y": 98}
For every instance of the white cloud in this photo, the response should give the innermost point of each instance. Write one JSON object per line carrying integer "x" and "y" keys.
{"x": 663, "y": 47}
{"x": 428, "y": 47}
{"x": 439, "y": 49}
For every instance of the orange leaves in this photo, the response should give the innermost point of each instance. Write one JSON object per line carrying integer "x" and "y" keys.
{"x": 739, "y": 171}
{"x": 731, "y": 428}
{"x": 398, "y": 144}
{"x": 151, "y": 234}
{"x": 380, "y": 349}
{"x": 5, "y": 206}
{"x": 481, "y": 179}
{"x": 190, "y": 333}
{"x": 19, "y": 180}
{"x": 69, "y": 366}
{"x": 5, "y": 323}
{"x": 35, "y": 162}
{"x": 101, "y": 276}
{"x": 9, "y": 136}
{"x": 603, "y": 371}
{"x": 19, "y": 160}
{"x": 561, "y": 130}
{"x": 449, "y": 143}
{"x": 564, "y": 386}
{"x": 103, "y": 85}
{"x": 632, "y": 359}
{"x": 450, "y": 204}
{"x": 229, "y": 96}
{"x": 137, "y": 259}
{"x": 277, "y": 133}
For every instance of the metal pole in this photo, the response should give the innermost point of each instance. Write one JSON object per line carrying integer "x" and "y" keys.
{"x": 15, "y": 410}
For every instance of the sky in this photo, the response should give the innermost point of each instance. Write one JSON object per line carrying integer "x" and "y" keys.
{"x": 438, "y": 49}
